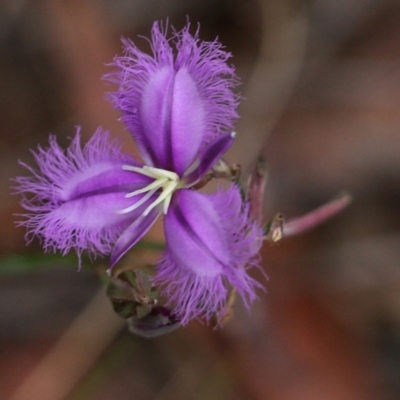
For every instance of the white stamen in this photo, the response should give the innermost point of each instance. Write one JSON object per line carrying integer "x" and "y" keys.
{"x": 138, "y": 203}
{"x": 138, "y": 170}
{"x": 154, "y": 185}
{"x": 166, "y": 204}
{"x": 167, "y": 181}
{"x": 168, "y": 189}
{"x": 162, "y": 172}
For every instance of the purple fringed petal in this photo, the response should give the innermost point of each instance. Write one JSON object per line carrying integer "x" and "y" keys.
{"x": 208, "y": 157}
{"x": 211, "y": 243}
{"x": 187, "y": 121}
{"x": 170, "y": 108}
{"x": 132, "y": 234}
{"x": 206, "y": 63}
{"x": 76, "y": 195}
{"x": 155, "y": 115}
{"x": 135, "y": 71}
{"x": 174, "y": 106}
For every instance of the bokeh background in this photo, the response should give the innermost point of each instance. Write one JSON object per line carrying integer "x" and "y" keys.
{"x": 321, "y": 89}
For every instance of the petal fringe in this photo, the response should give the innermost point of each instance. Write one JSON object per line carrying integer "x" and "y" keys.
{"x": 73, "y": 198}
{"x": 193, "y": 288}
{"x": 177, "y": 100}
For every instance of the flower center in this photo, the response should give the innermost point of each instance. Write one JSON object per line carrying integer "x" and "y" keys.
{"x": 165, "y": 180}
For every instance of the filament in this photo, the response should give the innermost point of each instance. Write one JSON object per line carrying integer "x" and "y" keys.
{"x": 167, "y": 181}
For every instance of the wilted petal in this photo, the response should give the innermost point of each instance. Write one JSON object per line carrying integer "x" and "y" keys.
{"x": 210, "y": 245}
{"x": 75, "y": 196}
{"x": 256, "y": 190}
{"x": 158, "y": 322}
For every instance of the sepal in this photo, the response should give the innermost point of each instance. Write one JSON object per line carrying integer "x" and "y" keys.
{"x": 134, "y": 298}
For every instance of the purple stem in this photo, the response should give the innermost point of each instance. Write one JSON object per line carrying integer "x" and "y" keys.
{"x": 316, "y": 217}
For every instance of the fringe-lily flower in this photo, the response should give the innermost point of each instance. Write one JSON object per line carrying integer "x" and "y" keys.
{"x": 179, "y": 107}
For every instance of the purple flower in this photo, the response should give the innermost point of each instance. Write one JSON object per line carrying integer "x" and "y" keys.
{"x": 210, "y": 242}
{"x": 179, "y": 107}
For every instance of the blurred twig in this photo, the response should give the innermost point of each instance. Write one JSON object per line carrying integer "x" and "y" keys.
{"x": 281, "y": 56}
{"x": 321, "y": 214}
{"x": 73, "y": 354}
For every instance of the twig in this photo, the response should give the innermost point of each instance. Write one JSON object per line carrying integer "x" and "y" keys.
{"x": 73, "y": 354}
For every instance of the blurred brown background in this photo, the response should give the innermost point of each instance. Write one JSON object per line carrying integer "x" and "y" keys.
{"x": 321, "y": 88}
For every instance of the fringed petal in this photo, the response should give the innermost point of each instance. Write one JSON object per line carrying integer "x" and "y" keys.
{"x": 135, "y": 72}
{"x": 211, "y": 243}
{"x": 206, "y": 63}
{"x": 75, "y": 198}
{"x": 188, "y": 121}
{"x": 155, "y": 115}
{"x": 174, "y": 104}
